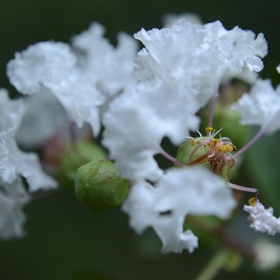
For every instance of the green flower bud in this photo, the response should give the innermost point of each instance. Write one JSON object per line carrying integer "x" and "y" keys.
{"x": 98, "y": 186}
{"x": 73, "y": 157}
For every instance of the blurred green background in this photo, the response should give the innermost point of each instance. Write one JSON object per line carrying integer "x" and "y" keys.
{"x": 66, "y": 241}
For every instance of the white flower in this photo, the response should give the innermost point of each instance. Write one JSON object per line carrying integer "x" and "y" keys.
{"x": 178, "y": 53}
{"x": 140, "y": 117}
{"x": 178, "y": 193}
{"x": 111, "y": 66}
{"x": 12, "y": 198}
{"x": 14, "y": 162}
{"x": 262, "y": 219}
{"x": 199, "y": 55}
{"x": 236, "y": 47}
{"x": 261, "y": 106}
{"x": 52, "y": 65}
{"x": 267, "y": 254}
{"x": 45, "y": 63}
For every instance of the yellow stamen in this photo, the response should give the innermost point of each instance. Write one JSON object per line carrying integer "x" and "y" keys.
{"x": 222, "y": 148}
{"x": 209, "y": 129}
{"x": 229, "y": 148}
{"x": 225, "y": 148}
{"x": 252, "y": 201}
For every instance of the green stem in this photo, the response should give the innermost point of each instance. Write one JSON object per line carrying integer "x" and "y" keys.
{"x": 214, "y": 266}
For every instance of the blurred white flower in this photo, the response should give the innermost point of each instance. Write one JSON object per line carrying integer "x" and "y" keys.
{"x": 13, "y": 161}
{"x": 112, "y": 66}
{"x": 52, "y": 65}
{"x": 12, "y": 198}
{"x": 261, "y": 106}
{"x": 170, "y": 19}
{"x": 13, "y": 164}
{"x": 80, "y": 89}
{"x": 267, "y": 255}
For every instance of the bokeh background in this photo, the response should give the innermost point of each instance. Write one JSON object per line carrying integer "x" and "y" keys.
{"x": 66, "y": 241}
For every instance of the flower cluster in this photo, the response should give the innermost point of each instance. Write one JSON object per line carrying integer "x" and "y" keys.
{"x": 140, "y": 99}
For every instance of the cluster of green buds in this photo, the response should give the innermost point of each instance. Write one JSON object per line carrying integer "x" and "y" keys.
{"x": 209, "y": 151}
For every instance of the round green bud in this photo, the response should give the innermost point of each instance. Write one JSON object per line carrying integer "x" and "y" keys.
{"x": 98, "y": 186}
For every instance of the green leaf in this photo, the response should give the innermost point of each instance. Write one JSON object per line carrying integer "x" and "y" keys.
{"x": 98, "y": 186}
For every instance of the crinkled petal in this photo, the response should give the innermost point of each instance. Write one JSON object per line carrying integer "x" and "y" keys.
{"x": 137, "y": 121}
{"x": 164, "y": 207}
{"x": 262, "y": 219}
{"x": 111, "y": 66}
{"x": 13, "y": 161}
{"x": 237, "y": 47}
{"x": 44, "y": 63}
{"x": 261, "y": 106}
{"x": 52, "y": 65}
{"x": 12, "y": 198}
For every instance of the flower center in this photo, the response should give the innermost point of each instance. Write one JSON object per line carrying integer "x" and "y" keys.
{"x": 212, "y": 151}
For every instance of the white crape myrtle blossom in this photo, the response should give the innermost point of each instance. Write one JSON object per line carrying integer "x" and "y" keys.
{"x": 112, "y": 66}
{"x": 52, "y": 65}
{"x": 200, "y": 54}
{"x": 13, "y": 161}
{"x": 262, "y": 219}
{"x": 236, "y": 47}
{"x": 81, "y": 88}
{"x": 12, "y": 198}
{"x": 140, "y": 117}
{"x": 261, "y": 106}
{"x": 179, "y": 192}
{"x": 13, "y": 164}
{"x": 267, "y": 254}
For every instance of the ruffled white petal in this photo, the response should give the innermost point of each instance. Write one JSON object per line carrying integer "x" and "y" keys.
{"x": 261, "y": 106}
{"x": 177, "y": 193}
{"x": 45, "y": 63}
{"x": 137, "y": 121}
{"x": 237, "y": 47}
{"x": 52, "y": 65}
{"x": 111, "y": 66}
{"x": 12, "y": 198}
{"x": 262, "y": 219}
{"x": 198, "y": 55}
{"x": 13, "y": 161}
